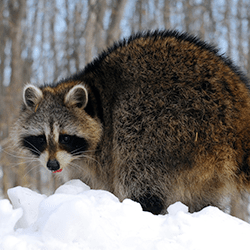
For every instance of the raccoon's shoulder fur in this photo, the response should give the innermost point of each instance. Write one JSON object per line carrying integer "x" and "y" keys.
{"x": 159, "y": 117}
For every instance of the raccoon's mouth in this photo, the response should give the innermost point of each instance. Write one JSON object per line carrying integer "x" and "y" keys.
{"x": 57, "y": 171}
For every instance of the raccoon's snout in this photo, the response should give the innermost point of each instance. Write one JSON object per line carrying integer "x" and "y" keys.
{"x": 53, "y": 165}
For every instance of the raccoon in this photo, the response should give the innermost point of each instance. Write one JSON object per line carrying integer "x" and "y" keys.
{"x": 158, "y": 117}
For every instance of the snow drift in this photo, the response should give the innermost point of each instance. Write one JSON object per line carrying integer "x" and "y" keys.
{"x": 75, "y": 217}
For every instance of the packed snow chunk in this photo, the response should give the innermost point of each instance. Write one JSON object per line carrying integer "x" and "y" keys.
{"x": 176, "y": 208}
{"x": 29, "y": 201}
{"x": 69, "y": 218}
{"x": 8, "y": 217}
{"x": 72, "y": 187}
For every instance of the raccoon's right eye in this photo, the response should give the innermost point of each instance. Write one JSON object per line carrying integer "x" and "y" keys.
{"x": 36, "y": 144}
{"x": 73, "y": 144}
{"x": 65, "y": 139}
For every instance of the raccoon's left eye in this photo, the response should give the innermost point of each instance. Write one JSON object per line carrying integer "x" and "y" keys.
{"x": 64, "y": 139}
{"x": 73, "y": 144}
{"x": 41, "y": 139}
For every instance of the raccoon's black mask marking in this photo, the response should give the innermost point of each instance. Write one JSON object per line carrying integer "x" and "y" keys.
{"x": 73, "y": 144}
{"x": 70, "y": 143}
{"x": 36, "y": 144}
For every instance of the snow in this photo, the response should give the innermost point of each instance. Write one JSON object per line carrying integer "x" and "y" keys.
{"x": 76, "y": 217}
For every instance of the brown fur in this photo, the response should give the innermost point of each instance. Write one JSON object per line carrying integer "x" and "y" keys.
{"x": 167, "y": 119}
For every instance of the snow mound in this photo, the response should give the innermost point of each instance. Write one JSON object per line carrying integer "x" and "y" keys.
{"x": 76, "y": 217}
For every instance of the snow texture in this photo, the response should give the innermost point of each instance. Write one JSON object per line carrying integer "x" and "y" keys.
{"x": 76, "y": 217}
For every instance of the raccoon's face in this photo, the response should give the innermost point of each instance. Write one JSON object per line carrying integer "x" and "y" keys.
{"x": 54, "y": 126}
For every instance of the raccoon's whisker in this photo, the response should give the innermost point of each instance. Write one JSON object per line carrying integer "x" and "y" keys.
{"x": 88, "y": 157}
{"x": 35, "y": 150}
{"x": 75, "y": 165}
{"x": 28, "y": 162}
{"x": 34, "y": 167}
{"x": 15, "y": 155}
{"x": 76, "y": 151}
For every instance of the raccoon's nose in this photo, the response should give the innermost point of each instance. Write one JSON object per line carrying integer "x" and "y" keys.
{"x": 53, "y": 165}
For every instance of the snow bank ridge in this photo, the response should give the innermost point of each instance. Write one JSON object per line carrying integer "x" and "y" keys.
{"x": 75, "y": 217}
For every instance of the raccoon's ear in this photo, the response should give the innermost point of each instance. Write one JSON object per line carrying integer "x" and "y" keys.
{"x": 32, "y": 96}
{"x": 77, "y": 96}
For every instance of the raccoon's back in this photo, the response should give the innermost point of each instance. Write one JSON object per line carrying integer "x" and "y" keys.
{"x": 171, "y": 92}
{"x": 154, "y": 65}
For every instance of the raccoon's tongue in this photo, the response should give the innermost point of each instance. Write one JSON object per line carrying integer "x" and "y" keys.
{"x": 58, "y": 171}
